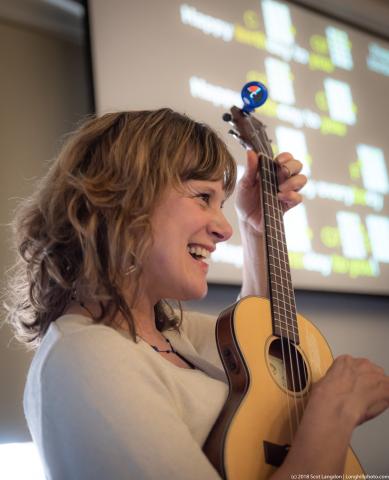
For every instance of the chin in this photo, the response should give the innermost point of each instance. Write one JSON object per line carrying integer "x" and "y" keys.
{"x": 196, "y": 294}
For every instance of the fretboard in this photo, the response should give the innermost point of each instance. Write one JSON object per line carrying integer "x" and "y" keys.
{"x": 280, "y": 281}
{"x": 252, "y": 133}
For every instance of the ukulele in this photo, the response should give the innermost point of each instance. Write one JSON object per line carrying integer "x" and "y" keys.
{"x": 271, "y": 354}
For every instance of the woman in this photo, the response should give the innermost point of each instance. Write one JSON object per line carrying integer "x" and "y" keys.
{"x": 122, "y": 386}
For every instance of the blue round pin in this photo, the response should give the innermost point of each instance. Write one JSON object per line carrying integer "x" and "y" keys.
{"x": 254, "y": 94}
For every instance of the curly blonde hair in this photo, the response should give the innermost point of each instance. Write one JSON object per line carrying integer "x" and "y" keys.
{"x": 86, "y": 227}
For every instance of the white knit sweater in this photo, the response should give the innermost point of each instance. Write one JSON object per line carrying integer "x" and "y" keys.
{"x": 102, "y": 407}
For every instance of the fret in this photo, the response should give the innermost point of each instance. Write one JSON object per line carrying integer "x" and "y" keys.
{"x": 287, "y": 276}
{"x": 289, "y": 300}
{"x": 270, "y": 182}
{"x": 284, "y": 312}
{"x": 274, "y": 219}
{"x": 280, "y": 278}
{"x": 278, "y": 245}
{"x": 283, "y": 302}
{"x": 284, "y": 294}
{"x": 292, "y": 330}
{"x": 278, "y": 255}
{"x": 269, "y": 189}
{"x": 267, "y": 165}
{"x": 275, "y": 231}
{"x": 270, "y": 193}
{"x": 275, "y": 207}
{"x": 284, "y": 275}
{"x": 278, "y": 248}
{"x": 270, "y": 199}
{"x": 278, "y": 265}
{"x": 267, "y": 172}
{"x": 265, "y": 169}
{"x": 279, "y": 272}
{"x": 277, "y": 241}
{"x": 286, "y": 279}
{"x": 270, "y": 178}
{"x": 273, "y": 211}
{"x": 282, "y": 286}
{"x": 286, "y": 326}
{"x": 284, "y": 297}
{"x": 286, "y": 288}
{"x": 280, "y": 259}
{"x": 285, "y": 333}
{"x": 279, "y": 262}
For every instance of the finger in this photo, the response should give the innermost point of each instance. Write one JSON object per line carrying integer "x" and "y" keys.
{"x": 288, "y": 169}
{"x": 376, "y": 395}
{"x": 283, "y": 157}
{"x": 295, "y": 183}
{"x": 364, "y": 365}
{"x": 289, "y": 199}
{"x": 375, "y": 410}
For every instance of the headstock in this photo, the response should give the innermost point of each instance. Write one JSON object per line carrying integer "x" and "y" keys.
{"x": 248, "y": 130}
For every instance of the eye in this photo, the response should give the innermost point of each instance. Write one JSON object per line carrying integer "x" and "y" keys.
{"x": 206, "y": 197}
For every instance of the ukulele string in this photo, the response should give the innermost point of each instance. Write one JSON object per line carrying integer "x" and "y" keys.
{"x": 290, "y": 296}
{"x": 266, "y": 154}
{"x": 277, "y": 211}
{"x": 291, "y": 300}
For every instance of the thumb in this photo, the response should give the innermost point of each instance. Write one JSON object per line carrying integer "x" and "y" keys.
{"x": 250, "y": 174}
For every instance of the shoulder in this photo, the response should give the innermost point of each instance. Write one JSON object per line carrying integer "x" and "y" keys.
{"x": 76, "y": 335}
{"x": 76, "y": 350}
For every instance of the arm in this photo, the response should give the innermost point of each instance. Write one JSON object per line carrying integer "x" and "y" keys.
{"x": 251, "y": 223}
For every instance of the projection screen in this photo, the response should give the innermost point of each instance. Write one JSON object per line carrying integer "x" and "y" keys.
{"x": 328, "y": 105}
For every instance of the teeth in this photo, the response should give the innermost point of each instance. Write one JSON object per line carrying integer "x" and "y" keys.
{"x": 199, "y": 251}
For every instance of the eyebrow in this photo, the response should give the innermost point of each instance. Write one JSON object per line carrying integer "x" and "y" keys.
{"x": 215, "y": 193}
{"x": 209, "y": 188}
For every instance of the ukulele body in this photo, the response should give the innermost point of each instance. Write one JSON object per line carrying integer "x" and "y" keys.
{"x": 266, "y": 401}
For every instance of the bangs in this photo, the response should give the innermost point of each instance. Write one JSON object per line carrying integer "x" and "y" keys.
{"x": 207, "y": 158}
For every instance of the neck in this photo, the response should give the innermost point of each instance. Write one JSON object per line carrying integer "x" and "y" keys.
{"x": 143, "y": 315}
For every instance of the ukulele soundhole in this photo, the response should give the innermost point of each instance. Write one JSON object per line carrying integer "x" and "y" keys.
{"x": 287, "y": 366}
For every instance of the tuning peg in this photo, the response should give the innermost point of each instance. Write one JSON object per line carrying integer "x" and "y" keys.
{"x": 227, "y": 117}
{"x": 234, "y": 134}
{"x": 239, "y": 139}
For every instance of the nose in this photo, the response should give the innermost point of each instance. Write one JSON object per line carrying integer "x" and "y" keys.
{"x": 220, "y": 228}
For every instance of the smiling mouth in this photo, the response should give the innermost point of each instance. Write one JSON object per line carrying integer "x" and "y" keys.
{"x": 198, "y": 253}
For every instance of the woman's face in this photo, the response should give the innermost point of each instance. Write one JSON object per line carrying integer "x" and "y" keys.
{"x": 189, "y": 220}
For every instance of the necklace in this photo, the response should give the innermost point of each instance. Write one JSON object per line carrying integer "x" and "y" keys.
{"x": 82, "y": 305}
{"x": 157, "y": 349}
{"x": 172, "y": 350}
